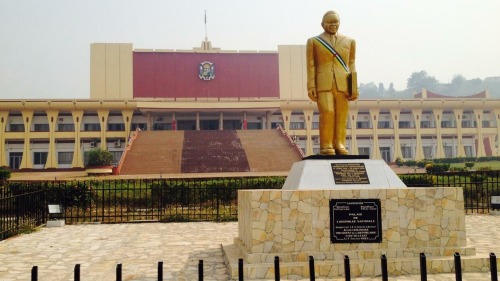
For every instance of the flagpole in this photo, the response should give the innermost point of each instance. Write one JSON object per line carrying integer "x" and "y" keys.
{"x": 206, "y": 36}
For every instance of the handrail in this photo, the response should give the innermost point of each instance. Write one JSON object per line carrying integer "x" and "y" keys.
{"x": 131, "y": 139}
{"x": 294, "y": 143}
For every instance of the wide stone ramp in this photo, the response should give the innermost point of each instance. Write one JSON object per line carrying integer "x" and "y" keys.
{"x": 154, "y": 152}
{"x": 213, "y": 152}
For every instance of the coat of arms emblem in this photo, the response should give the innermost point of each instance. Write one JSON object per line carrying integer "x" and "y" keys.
{"x": 206, "y": 71}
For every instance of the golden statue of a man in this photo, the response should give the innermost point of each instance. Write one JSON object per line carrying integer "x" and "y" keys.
{"x": 331, "y": 82}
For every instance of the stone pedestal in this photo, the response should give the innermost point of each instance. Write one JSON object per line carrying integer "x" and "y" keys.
{"x": 298, "y": 221}
{"x": 341, "y": 172}
{"x": 295, "y": 224}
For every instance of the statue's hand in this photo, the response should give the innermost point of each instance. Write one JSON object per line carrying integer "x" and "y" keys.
{"x": 354, "y": 96}
{"x": 312, "y": 94}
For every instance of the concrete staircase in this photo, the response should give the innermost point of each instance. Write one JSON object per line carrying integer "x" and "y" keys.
{"x": 213, "y": 152}
{"x": 176, "y": 152}
{"x": 268, "y": 150}
{"x": 154, "y": 152}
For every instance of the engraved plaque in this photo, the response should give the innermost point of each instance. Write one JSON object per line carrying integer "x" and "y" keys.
{"x": 350, "y": 173}
{"x": 355, "y": 221}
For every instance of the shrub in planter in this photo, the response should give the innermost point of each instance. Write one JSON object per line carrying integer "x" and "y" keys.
{"x": 423, "y": 163}
{"x": 99, "y": 157}
{"x": 400, "y": 162}
{"x": 5, "y": 173}
{"x": 437, "y": 167}
{"x": 411, "y": 163}
{"x": 469, "y": 165}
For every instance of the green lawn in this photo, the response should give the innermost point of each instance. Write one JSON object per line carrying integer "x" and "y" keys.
{"x": 494, "y": 165}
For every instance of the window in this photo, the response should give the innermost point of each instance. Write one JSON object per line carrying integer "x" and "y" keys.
{"x": 17, "y": 127}
{"x": 141, "y": 126}
{"x": 64, "y": 158}
{"x": 39, "y": 158}
{"x": 274, "y": 125}
{"x": 404, "y": 124}
{"x": 116, "y": 127}
{"x": 254, "y": 126}
{"x": 425, "y": 124}
{"x": 166, "y": 126}
{"x": 406, "y": 151}
{"x": 448, "y": 151}
{"x": 486, "y": 124}
{"x": 363, "y": 150}
{"x": 428, "y": 152}
{"x": 363, "y": 125}
{"x": 116, "y": 157}
{"x": 466, "y": 124}
{"x": 315, "y": 125}
{"x": 468, "y": 151}
{"x": 41, "y": 127}
{"x": 384, "y": 124}
{"x": 297, "y": 125}
{"x": 66, "y": 127}
{"x": 446, "y": 124}
{"x": 92, "y": 127}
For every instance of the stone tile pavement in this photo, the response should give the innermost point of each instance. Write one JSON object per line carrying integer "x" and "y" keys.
{"x": 139, "y": 247}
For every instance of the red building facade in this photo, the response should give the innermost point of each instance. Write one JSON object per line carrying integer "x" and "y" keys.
{"x": 176, "y": 75}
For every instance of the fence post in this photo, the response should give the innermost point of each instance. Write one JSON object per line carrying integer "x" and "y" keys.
{"x": 34, "y": 273}
{"x": 77, "y": 272}
{"x": 119, "y": 272}
{"x": 423, "y": 267}
{"x": 458, "y": 267}
{"x": 16, "y": 202}
{"x": 200, "y": 270}
{"x": 493, "y": 267}
{"x": 385, "y": 275}
{"x": 240, "y": 269}
{"x": 276, "y": 268}
{"x": 312, "y": 273}
{"x": 160, "y": 271}
{"x": 347, "y": 268}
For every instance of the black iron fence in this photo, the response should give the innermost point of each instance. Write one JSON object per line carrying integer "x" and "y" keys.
{"x": 312, "y": 269}
{"x": 23, "y": 204}
{"x": 478, "y": 186}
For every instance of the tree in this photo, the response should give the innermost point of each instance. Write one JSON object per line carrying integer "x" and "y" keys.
{"x": 369, "y": 90}
{"x": 457, "y": 84}
{"x": 381, "y": 89}
{"x": 391, "y": 89}
{"x": 419, "y": 80}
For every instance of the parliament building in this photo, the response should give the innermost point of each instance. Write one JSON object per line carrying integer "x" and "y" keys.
{"x": 208, "y": 88}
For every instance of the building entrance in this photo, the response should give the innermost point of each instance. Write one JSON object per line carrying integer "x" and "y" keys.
{"x": 385, "y": 152}
{"x": 209, "y": 124}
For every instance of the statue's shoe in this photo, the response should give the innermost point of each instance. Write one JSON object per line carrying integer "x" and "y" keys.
{"x": 327, "y": 151}
{"x": 342, "y": 151}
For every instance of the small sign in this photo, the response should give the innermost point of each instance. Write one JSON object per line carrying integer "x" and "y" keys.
{"x": 355, "y": 221}
{"x": 350, "y": 173}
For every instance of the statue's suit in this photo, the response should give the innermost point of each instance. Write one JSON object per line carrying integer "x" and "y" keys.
{"x": 330, "y": 81}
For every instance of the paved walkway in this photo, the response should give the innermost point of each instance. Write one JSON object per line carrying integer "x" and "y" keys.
{"x": 139, "y": 247}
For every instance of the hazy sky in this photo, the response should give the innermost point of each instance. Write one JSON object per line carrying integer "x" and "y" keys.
{"x": 45, "y": 45}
